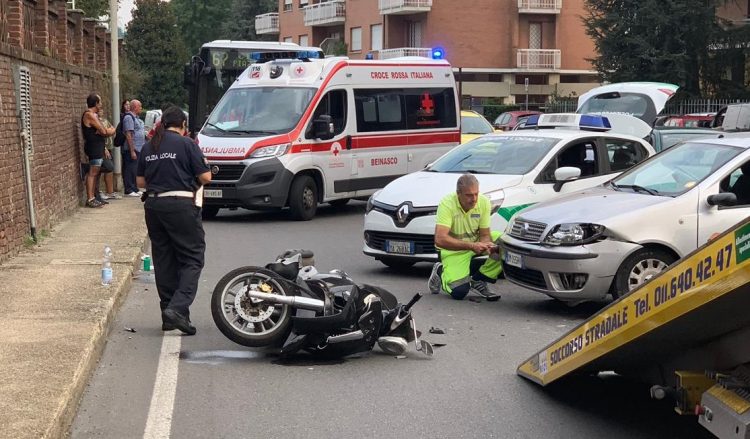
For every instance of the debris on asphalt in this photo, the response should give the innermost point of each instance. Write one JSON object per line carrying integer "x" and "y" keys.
{"x": 130, "y": 329}
{"x": 434, "y": 330}
{"x": 399, "y": 357}
{"x": 475, "y": 299}
{"x": 438, "y": 345}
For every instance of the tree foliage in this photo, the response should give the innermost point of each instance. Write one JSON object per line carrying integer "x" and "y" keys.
{"x": 658, "y": 40}
{"x": 241, "y": 25}
{"x": 93, "y": 8}
{"x": 201, "y": 21}
{"x": 154, "y": 47}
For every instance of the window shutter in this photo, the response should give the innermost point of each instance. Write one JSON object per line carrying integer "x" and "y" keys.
{"x": 23, "y": 100}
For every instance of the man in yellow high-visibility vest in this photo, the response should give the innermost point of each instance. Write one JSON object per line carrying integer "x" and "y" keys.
{"x": 462, "y": 231}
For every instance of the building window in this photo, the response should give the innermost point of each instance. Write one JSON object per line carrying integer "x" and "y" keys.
{"x": 302, "y": 3}
{"x": 287, "y": 5}
{"x": 376, "y": 37}
{"x": 288, "y": 40}
{"x": 356, "y": 42}
{"x": 303, "y": 40}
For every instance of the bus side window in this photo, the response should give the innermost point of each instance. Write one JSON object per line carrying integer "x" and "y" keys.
{"x": 334, "y": 105}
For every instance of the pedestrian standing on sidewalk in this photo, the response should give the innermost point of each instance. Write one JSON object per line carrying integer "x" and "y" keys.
{"x": 107, "y": 170}
{"x": 135, "y": 138}
{"x": 94, "y": 135}
{"x": 172, "y": 168}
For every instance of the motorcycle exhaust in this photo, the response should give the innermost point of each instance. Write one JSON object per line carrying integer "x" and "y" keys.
{"x": 295, "y": 301}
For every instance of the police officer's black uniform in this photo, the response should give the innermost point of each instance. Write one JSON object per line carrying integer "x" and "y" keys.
{"x": 174, "y": 223}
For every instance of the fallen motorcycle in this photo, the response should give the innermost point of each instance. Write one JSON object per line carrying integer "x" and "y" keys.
{"x": 288, "y": 303}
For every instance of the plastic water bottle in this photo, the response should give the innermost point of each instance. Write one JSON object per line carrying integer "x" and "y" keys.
{"x": 107, "y": 267}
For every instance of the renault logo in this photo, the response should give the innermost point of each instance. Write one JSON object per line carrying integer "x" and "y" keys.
{"x": 402, "y": 214}
{"x": 214, "y": 169}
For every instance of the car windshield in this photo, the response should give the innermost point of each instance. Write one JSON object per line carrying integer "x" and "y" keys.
{"x": 507, "y": 155}
{"x": 676, "y": 170}
{"x": 475, "y": 125}
{"x": 258, "y": 111}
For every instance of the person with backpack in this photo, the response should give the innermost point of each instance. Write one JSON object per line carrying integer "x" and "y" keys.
{"x": 135, "y": 138}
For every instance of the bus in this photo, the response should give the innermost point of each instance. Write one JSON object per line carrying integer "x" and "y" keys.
{"x": 218, "y": 64}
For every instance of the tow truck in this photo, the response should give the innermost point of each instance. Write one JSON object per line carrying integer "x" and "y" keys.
{"x": 686, "y": 332}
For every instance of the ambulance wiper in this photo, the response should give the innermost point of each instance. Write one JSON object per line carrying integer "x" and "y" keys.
{"x": 259, "y": 132}
{"x": 474, "y": 171}
{"x": 637, "y": 188}
{"x": 217, "y": 127}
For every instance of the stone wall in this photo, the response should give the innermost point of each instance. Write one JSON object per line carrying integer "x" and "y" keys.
{"x": 63, "y": 70}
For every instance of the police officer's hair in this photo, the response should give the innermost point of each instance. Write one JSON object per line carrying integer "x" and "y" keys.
{"x": 172, "y": 117}
{"x": 92, "y": 100}
{"x": 466, "y": 181}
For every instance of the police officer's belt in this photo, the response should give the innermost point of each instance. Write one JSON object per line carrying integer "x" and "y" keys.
{"x": 186, "y": 194}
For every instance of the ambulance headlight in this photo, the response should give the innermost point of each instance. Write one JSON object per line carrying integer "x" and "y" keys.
{"x": 496, "y": 200}
{"x": 271, "y": 151}
{"x": 574, "y": 234}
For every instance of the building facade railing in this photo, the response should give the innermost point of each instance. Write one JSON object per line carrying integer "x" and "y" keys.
{"x": 267, "y": 23}
{"x": 326, "y": 13}
{"x": 404, "y": 6}
{"x": 404, "y": 51}
{"x": 538, "y": 59}
{"x": 539, "y": 6}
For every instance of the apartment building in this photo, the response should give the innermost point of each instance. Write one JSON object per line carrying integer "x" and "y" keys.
{"x": 516, "y": 50}
{"x": 509, "y": 49}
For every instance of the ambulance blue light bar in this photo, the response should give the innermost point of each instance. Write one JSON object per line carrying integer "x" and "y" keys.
{"x": 294, "y": 54}
{"x": 438, "y": 53}
{"x": 569, "y": 120}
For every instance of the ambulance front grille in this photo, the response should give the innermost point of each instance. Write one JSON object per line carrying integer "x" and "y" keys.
{"x": 227, "y": 172}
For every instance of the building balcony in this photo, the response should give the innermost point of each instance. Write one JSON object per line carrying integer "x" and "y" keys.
{"x": 267, "y": 23}
{"x": 404, "y": 7}
{"x": 539, "y": 6}
{"x": 330, "y": 13}
{"x": 404, "y": 51}
{"x": 538, "y": 59}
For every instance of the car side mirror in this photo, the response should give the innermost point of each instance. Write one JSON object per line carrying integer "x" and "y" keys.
{"x": 723, "y": 199}
{"x": 323, "y": 127}
{"x": 564, "y": 175}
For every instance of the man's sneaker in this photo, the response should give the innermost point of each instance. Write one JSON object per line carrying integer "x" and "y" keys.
{"x": 134, "y": 194}
{"x": 481, "y": 288}
{"x": 435, "y": 283}
{"x": 112, "y": 196}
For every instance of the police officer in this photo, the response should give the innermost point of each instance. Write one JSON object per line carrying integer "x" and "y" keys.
{"x": 462, "y": 231}
{"x": 173, "y": 169}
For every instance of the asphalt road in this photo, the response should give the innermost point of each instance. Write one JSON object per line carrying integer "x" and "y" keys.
{"x": 468, "y": 390}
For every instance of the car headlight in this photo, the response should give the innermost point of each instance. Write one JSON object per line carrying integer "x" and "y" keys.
{"x": 574, "y": 234}
{"x": 271, "y": 151}
{"x": 371, "y": 202}
{"x": 496, "y": 200}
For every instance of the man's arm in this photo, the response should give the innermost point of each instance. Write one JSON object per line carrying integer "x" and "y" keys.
{"x": 128, "y": 127}
{"x": 444, "y": 240}
{"x": 140, "y": 182}
{"x": 94, "y": 122}
{"x": 205, "y": 178}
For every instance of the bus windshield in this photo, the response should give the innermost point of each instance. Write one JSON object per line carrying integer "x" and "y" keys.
{"x": 258, "y": 111}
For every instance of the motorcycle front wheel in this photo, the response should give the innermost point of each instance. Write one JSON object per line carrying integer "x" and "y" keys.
{"x": 248, "y": 321}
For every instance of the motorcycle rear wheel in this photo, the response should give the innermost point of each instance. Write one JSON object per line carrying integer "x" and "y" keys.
{"x": 246, "y": 321}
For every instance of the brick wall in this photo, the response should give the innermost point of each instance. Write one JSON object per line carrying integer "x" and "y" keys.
{"x": 60, "y": 83}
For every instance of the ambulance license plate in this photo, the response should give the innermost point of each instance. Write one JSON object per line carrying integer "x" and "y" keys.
{"x": 513, "y": 259}
{"x": 400, "y": 247}
{"x": 212, "y": 193}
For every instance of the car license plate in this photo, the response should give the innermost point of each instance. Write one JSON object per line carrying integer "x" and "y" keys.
{"x": 400, "y": 247}
{"x": 212, "y": 193}
{"x": 513, "y": 259}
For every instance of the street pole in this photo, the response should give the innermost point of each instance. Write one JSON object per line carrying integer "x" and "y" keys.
{"x": 526, "y": 88}
{"x": 114, "y": 54}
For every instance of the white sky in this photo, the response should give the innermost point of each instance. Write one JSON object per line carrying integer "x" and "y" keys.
{"x": 125, "y": 12}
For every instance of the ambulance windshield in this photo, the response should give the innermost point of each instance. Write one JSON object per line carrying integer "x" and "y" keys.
{"x": 506, "y": 155}
{"x": 258, "y": 111}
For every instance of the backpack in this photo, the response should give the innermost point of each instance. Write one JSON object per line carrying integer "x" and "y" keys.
{"x": 120, "y": 139}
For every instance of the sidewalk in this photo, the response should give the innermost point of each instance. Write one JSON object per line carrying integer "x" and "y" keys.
{"x": 55, "y": 315}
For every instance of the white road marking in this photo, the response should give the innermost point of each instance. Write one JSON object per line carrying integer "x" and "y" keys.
{"x": 159, "y": 422}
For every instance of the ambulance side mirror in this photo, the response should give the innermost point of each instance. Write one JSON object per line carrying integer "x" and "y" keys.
{"x": 323, "y": 127}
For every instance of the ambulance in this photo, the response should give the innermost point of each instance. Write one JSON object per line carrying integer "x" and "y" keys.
{"x": 299, "y": 132}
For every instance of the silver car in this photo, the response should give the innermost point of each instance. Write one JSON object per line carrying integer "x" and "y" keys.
{"x": 612, "y": 238}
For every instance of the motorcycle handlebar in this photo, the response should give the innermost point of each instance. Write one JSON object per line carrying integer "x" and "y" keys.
{"x": 413, "y": 300}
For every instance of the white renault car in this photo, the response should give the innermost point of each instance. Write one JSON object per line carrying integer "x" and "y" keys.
{"x": 612, "y": 238}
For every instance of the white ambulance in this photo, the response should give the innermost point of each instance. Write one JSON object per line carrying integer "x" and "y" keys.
{"x": 300, "y": 132}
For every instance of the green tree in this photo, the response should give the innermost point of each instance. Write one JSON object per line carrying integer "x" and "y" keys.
{"x": 656, "y": 40}
{"x": 201, "y": 21}
{"x": 94, "y": 8}
{"x": 154, "y": 46}
{"x": 131, "y": 79}
{"x": 241, "y": 26}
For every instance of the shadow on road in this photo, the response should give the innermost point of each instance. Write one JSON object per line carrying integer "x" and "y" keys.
{"x": 282, "y": 215}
